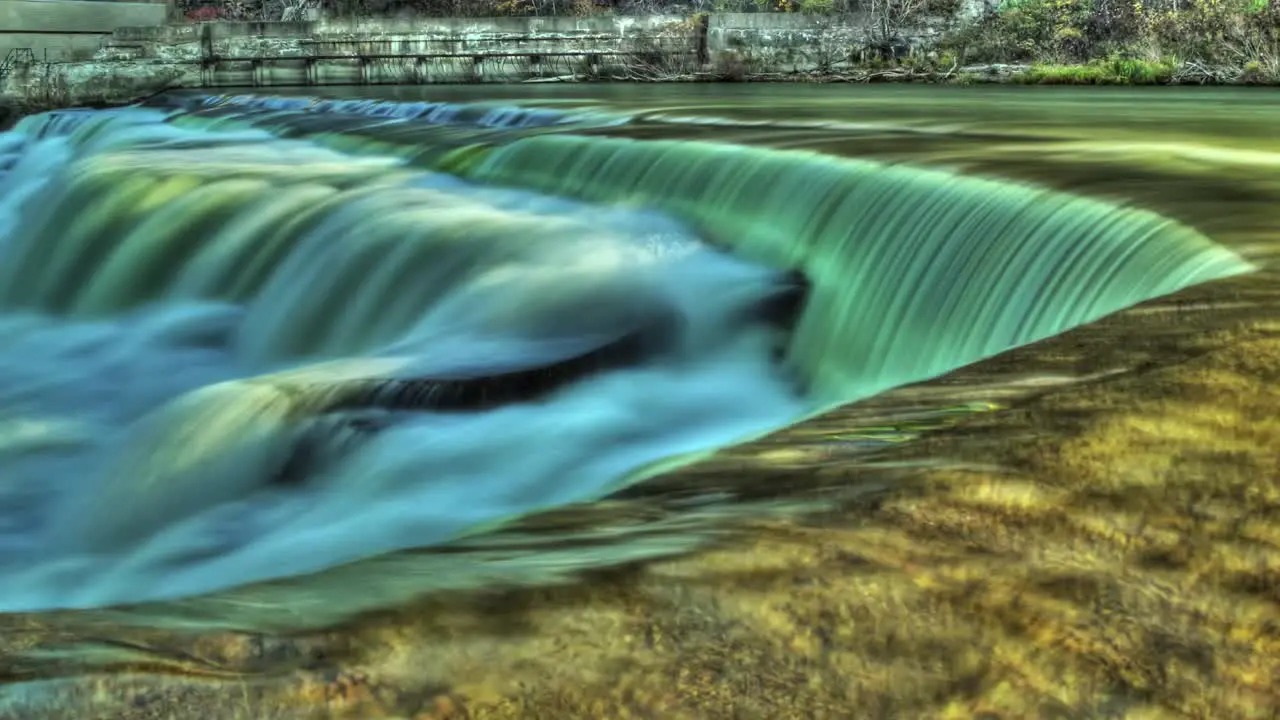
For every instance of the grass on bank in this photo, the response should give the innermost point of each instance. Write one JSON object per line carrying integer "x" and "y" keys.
{"x": 1113, "y": 71}
{"x": 1119, "y": 71}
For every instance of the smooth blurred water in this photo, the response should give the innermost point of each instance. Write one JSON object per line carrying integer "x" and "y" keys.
{"x": 94, "y": 510}
{"x": 226, "y": 357}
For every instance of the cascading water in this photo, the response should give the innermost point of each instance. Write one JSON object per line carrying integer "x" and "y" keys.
{"x": 248, "y": 338}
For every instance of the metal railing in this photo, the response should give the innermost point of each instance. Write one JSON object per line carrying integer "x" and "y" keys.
{"x": 17, "y": 57}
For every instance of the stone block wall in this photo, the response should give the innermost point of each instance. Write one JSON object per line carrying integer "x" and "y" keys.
{"x": 432, "y": 50}
{"x": 138, "y": 60}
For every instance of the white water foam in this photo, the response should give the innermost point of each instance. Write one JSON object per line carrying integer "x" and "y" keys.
{"x": 93, "y": 404}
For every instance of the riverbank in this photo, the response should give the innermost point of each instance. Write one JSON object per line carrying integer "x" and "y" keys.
{"x": 1092, "y": 73}
{"x": 123, "y": 91}
{"x": 131, "y": 86}
{"x": 958, "y": 45}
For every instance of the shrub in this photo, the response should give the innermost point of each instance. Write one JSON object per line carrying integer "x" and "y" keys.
{"x": 1228, "y": 38}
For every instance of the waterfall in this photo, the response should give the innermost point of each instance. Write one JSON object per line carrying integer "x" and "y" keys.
{"x": 916, "y": 271}
{"x": 250, "y": 338}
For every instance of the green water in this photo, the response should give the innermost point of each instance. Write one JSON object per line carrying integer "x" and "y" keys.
{"x": 867, "y": 119}
{"x": 1206, "y": 157}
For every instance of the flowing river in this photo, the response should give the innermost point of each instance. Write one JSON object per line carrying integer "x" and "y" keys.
{"x": 248, "y": 338}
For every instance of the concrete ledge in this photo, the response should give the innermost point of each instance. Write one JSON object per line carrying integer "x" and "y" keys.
{"x": 500, "y": 25}
{"x": 135, "y": 61}
{"x": 158, "y": 33}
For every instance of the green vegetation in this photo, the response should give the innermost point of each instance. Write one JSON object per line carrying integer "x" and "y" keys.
{"x": 1113, "y": 71}
{"x": 1112, "y": 41}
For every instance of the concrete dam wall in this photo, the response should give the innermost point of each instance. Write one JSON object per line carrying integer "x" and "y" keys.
{"x": 493, "y": 50}
{"x": 139, "y": 60}
{"x": 61, "y": 30}
{"x": 409, "y": 52}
